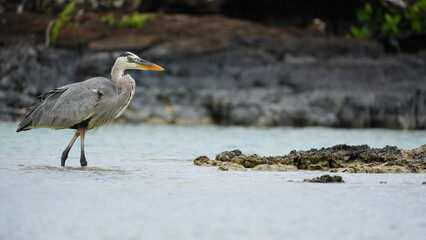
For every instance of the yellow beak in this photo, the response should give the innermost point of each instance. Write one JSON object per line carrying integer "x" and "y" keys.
{"x": 148, "y": 65}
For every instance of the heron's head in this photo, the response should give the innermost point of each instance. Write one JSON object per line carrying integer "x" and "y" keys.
{"x": 128, "y": 60}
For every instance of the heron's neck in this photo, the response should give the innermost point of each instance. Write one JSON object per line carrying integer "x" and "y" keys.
{"x": 117, "y": 75}
{"x": 127, "y": 85}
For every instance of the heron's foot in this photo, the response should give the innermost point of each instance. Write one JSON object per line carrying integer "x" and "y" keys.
{"x": 83, "y": 161}
{"x": 64, "y": 158}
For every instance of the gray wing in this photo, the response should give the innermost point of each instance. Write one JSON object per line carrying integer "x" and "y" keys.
{"x": 68, "y": 105}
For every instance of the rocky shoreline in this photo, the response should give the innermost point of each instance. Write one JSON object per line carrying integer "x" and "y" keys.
{"x": 339, "y": 158}
{"x": 221, "y": 71}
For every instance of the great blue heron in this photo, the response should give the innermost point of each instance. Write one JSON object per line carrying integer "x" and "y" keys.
{"x": 88, "y": 104}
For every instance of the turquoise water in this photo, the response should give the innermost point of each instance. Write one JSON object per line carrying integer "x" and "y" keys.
{"x": 141, "y": 184}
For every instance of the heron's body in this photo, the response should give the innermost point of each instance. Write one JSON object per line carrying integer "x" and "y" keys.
{"x": 88, "y": 104}
{"x": 79, "y": 103}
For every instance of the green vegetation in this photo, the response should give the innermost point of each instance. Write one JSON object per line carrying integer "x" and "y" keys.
{"x": 390, "y": 24}
{"x": 109, "y": 19}
{"x": 63, "y": 18}
{"x": 136, "y": 19}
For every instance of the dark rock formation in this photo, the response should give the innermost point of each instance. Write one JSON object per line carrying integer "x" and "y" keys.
{"x": 228, "y": 155}
{"x": 340, "y": 155}
{"x": 339, "y": 158}
{"x": 326, "y": 179}
{"x": 205, "y": 161}
{"x": 224, "y": 165}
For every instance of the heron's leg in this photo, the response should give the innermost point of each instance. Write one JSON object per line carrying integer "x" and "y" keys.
{"x": 68, "y": 148}
{"x": 83, "y": 161}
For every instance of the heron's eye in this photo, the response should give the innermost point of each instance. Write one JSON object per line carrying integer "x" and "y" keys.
{"x": 129, "y": 58}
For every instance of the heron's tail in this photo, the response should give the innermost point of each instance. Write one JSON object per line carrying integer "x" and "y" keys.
{"x": 35, "y": 113}
{"x": 25, "y": 124}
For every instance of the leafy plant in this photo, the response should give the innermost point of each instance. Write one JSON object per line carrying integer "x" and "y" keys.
{"x": 63, "y": 18}
{"x": 134, "y": 20}
{"x": 109, "y": 19}
{"x": 390, "y": 24}
{"x": 417, "y": 17}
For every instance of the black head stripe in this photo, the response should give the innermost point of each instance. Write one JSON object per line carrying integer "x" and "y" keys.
{"x": 126, "y": 54}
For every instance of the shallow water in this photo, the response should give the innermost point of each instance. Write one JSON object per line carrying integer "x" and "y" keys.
{"x": 141, "y": 184}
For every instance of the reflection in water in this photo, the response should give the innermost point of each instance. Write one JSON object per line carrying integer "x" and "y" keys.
{"x": 67, "y": 169}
